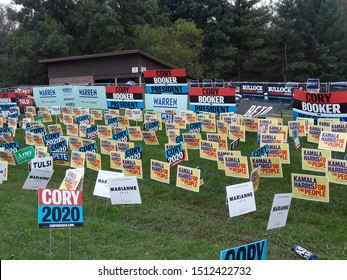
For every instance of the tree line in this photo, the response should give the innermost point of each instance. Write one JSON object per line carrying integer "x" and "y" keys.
{"x": 239, "y": 40}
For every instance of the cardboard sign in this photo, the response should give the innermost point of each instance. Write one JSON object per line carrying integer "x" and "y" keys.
{"x": 122, "y": 146}
{"x": 220, "y": 157}
{"x": 333, "y": 141}
{"x": 121, "y": 136}
{"x": 5, "y": 170}
{"x": 255, "y": 176}
{"x": 97, "y": 114}
{"x": 269, "y": 167}
{"x": 188, "y": 178}
{"x": 1, "y": 173}
{"x": 339, "y": 127}
{"x": 133, "y": 152}
{"x": 237, "y": 131}
{"x": 107, "y": 146}
{"x": 251, "y": 124}
{"x": 41, "y": 152}
{"x": 270, "y": 138}
{"x": 234, "y": 144}
{"x": 160, "y": 171}
{"x": 116, "y": 160}
{"x": 52, "y": 138}
{"x": 279, "y": 150}
{"x": 208, "y": 125}
{"x": 83, "y": 130}
{"x": 75, "y": 143}
{"x": 124, "y": 190}
{"x": 261, "y": 152}
{"x": 222, "y": 128}
{"x": 89, "y": 148}
{"x": 38, "y": 140}
{"x": 60, "y": 146}
{"x": 101, "y": 188}
{"x": 77, "y": 159}
{"x": 104, "y": 131}
{"x": 72, "y": 130}
{"x": 61, "y": 158}
{"x": 132, "y": 167}
{"x": 175, "y": 154}
{"x": 10, "y": 147}
{"x": 8, "y": 157}
{"x": 336, "y": 171}
{"x": 296, "y": 139}
{"x": 208, "y": 150}
{"x": 71, "y": 180}
{"x": 314, "y": 159}
{"x": 252, "y": 251}
{"x": 59, "y": 208}
{"x": 279, "y": 210}
{"x": 236, "y": 166}
{"x": 192, "y": 140}
{"x": 279, "y": 129}
{"x": 92, "y": 132}
{"x": 41, "y": 163}
{"x": 151, "y": 126}
{"x": 135, "y": 133}
{"x": 150, "y": 138}
{"x": 310, "y": 187}
{"x": 299, "y": 125}
{"x": 222, "y": 140}
{"x": 37, "y": 178}
{"x": 93, "y": 161}
{"x": 240, "y": 199}
{"x": 25, "y": 154}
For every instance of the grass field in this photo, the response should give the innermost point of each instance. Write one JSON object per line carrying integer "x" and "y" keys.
{"x": 173, "y": 223}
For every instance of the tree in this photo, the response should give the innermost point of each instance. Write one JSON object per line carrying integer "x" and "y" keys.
{"x": 179, "y": 44}
{"x": 248, "y": 37}
{"x": 313, "y": 39}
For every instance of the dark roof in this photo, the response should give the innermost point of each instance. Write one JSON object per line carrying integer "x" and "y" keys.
{"x": 87, "y": 56}
{"x": 108, "y": 54}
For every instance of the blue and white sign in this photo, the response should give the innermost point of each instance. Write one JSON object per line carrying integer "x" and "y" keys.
{"x": 252, "y": 251}
{"x": 162, "y": 102}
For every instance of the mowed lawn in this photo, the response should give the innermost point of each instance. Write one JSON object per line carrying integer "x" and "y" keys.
{"x": 173, "y": 223}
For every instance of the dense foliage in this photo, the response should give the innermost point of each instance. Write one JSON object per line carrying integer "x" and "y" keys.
{"x": 289, "y": 40}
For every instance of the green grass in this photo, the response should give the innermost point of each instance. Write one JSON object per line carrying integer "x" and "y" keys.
{"x": 173, "y": 223}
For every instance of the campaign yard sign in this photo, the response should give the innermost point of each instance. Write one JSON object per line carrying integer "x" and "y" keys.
{"x": 160, "y": 171}
{"x": 212, "y": 99}
{"x": 169, "y": 81}
{"x": 101, "y": 188}
{"x": 133, "y": 153}
{"x": 279, "y": 210}
{"x": 59, "y": 208}
{"x": 236, "y": 166}
{"x": 252, "y": 251}
{"x": 188, "y": 178}
{"x": 220, "y": 157}
{"x": 334, "y": 141}
{"x": 132, "y": 167}
{"x": 240, "y": 199}
{"x": 175, "y": 154}
{"x": 124, "y": 190}
{"x": 25, "y": 154}
{"x": 42, "y": 163}
{"x": 314, "y": 159}
{"x": 208, "y": 150}
{"x": 150, "y": 138}
{"x": 37, "y": 178}
{"x": 310, "y": 187}
{"x": 269, "y": 167}
{"x": 124, "y": 97}
{"x": 336, "y": 171}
